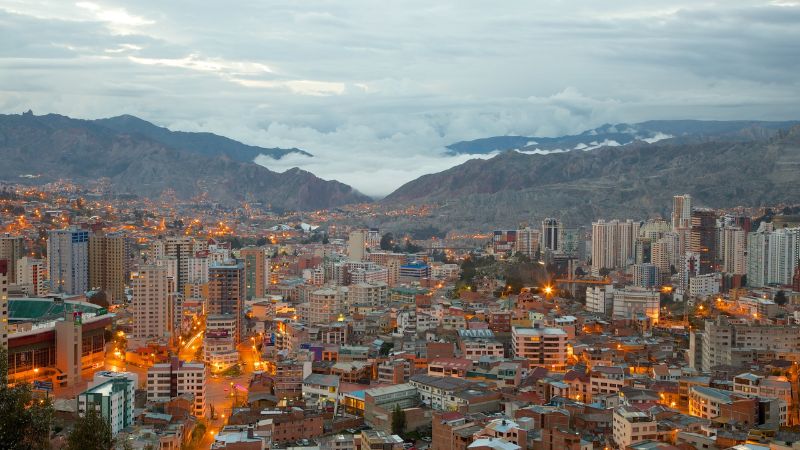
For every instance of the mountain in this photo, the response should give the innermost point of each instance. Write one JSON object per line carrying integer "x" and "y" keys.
{"x": 624, "y": 134}
{"x": 631, "y": 181}
{"x": 207, "y": 144}
{"x": 55, "y": 147}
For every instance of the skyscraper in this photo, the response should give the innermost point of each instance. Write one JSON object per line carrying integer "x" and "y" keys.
{"x": 551, "y": 235}
{"x": 757, "y": 256}
{"x": 182, "y": 248}
{"x": 681, "y": 211}
{"x": 703, "y": 239}
{"x": 226, "y": 289}
{"x": 11, "y": 249}
{"x": 255, "y": 272}
{"x": 613, "y": 244}
{"x": 152, "y": 311}
{"x": 734, "y": 249}
{"x": 107, "y": 264}
{"x": 68, "y": 257}
{"x": 4, "y": 269}
{"x": 783, "y": 252}
{"x": 527, "y": 242}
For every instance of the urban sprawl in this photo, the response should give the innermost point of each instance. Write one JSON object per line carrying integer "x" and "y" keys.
{"x": 188, "y": 324}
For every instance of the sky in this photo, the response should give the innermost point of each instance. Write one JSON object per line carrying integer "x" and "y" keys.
{"x": 376, "y": 90}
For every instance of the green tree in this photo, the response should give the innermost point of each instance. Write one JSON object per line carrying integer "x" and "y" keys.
{"x": 386, "y": 347}
{"x": 91, "y": 432}
{"x": 24, "y": 420}
{"x": 398, "y": 420}
{"x": 387, "y": 241}
{"x": 780, "y": 298}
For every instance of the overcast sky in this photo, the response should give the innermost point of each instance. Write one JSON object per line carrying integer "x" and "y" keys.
{"x": 376, "y": 89}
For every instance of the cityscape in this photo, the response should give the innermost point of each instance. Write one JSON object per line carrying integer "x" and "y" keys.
{"x": 333, "y": 225}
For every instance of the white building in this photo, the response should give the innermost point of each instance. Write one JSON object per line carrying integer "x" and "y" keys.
{"x": 703, "y": 286}
{"x": 631, "y": 425}
{"x": 168, "y": 380}
{"x": 372, "y": 294}
{"x": 68, "y": 257}
{"x": 33, "y": 273}
{"x": 600, "y": 299}
{"x": 112, "y": 395}
{"x": 629, "y": 302}
{"x": 152, "y": 309}
{"x": 734, "y": 250}
{"x": 613, "y": 244}
{"x": 357, "y": 245}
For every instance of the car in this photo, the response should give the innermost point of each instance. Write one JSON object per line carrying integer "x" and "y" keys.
{"x": 351, "y": 430}
{"x": 426, "y": 438}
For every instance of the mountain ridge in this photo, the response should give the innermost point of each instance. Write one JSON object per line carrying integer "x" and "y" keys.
{"x": 56, "y": 147}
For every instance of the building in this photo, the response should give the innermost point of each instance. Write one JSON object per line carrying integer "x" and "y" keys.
{"x": 152, "y": 308}
{"x": 504, "y": 241}
{"x": 600, "y": 299}
{"x": 181, "y": 249}
{"x": 357, "y": 245}
{"x": 613, "y": 244}
{"x": 783, "y": 253}
{"x": 703, "y": 286}
{"x": 12, "y": 249}
{"x": 68, "y": 260}
{"x": 681, "y": 211}
{"x": 776, "y": 387}
{"x": 631, "y": 425}
{"x": 733, "y": 343}
{"x": 169, "y": 380}
{"x": 758, "y": 256}
{"x": 552, "y": 230}
{"x": 108, "y": 265}
{"x": 632, "y": 302}
{"x": 226, "y": 286}
{"x": 379, "y": 402}
{"x": 256, "y": 272}
{"x": 4, "y": 271}
{"x": 646, "y": 276}
{"x": 394, "y": 371}
{"x": 325, "y": 306}
{"x": 528, "y": 242}
{"x": 703, "y": 239}
{"x": 734, "y": 251}
{"x": 32, "y": 275}
{"x": 415, "y": 271}
{"x": 112, "y": 395}
{"x": 543, "y": 347}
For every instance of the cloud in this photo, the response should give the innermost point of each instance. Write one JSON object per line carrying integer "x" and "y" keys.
{"x": 376, "y": 91}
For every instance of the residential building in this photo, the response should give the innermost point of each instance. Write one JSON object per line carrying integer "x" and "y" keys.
{"x": 631, "y": 425}
{"x": 12, "y": 249}
{"x": 325, "y": 306}
{"x": 681, "y": 211}
{"x": 631, "y": 302}
{"x": 731, "y": 342}
{"x": 32, "y": 273}
{"x": 528, "y": 242}
{"x": 68, "y": 260}
{"x": 357, "y": 245}
{"x": 108, "y": 256}
{"x": 4, "y": 271}
{"x": 734, "y": 251}
{"x": 542, "y": 346}
{"x": 256, "y": 272}
{"x": 151, "y": 305}
{"x": 112, "y": 395}
{"x": 600, "y": 299}
{"x": 225, "y": 290}
{"x": 168, "y": 380}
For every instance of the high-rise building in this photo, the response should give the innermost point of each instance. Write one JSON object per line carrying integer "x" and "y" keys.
{"x": 112, "y": 395}
{"x": 256, "y": 272}
{"x": 703, "y": 239}
{"x": 4, "y": 269}
{"x": 181, "y": 248}
{"x": 107, "y": 264}
{"x": 681, "y": 211}
{"x": 551, "y": 235}
{"x": 152, "y": 311}
{"x": 226, "y": 289}
{"x": 758, "y": 256}
{"x": 783, "y": 253}
{"x": 734, "y": 250}
{"x": 11, "y": 249}
{"x": 68, "y": 257}
{"x": 357, "y": 245}
{"x": 613, "y": 244}
{"x": 32, "y": 274}
{"x": 325, "y": 305}
{"x": 527, "y": 242}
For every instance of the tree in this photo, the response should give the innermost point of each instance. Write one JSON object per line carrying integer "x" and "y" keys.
{"x": 24, "y": 421}
{"x": 91, "y": 432}
{"x": 386, "y": 347}
{"x": 387, "y": 241}
{"x": 780, "y": 298}
{"x": 398, "y": 420}
{"x": 604, "y": 271}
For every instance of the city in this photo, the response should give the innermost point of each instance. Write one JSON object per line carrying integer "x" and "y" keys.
{"x": 414, "y": 225}
{"x": 623, "y": 334}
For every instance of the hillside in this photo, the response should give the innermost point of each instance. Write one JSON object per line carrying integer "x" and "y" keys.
{"x": 207, "y": 144}
{"x": 636, "y": 180}
{"x": 55, "y": 147}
